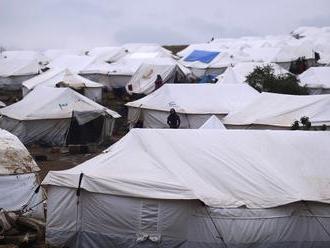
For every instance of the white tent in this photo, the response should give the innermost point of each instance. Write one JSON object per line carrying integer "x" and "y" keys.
{"x": 52, "y": 54}
{"x": 18, "y": 177}
{"x": 13, "y": 71}
{"x": 316, "y": 79}
{"x": 194, "y": 103}
{"x": 65, "y": 78}
{"x": 58, "y": 116}
{"x": 143, "y": 81}
{"x": 107, "y": 54}
{"x": 277, "y": 111}
{"x": 239, "y": 72}
{"x": 213, "y": 123}
{"x": 260, "y": 189}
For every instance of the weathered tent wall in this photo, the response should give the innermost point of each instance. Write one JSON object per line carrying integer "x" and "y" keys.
{"x": 99, "y": 220}
{"x": 14, "y": 82}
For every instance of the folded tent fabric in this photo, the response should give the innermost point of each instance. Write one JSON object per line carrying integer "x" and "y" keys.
{"x": 222, "y": 168}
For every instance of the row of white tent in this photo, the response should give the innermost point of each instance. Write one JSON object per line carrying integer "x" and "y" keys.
{"x": 114, "y": 67}
{"x": 236, "y": 105}
{"x": 217, "y": 55}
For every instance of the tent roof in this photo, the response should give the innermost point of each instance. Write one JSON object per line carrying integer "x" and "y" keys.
{"x": 222, "y": 168}
{"x": 282, "y": 110}
{"x": 144, "y": 78}
{"x": 80, "y": 64}
{"x": 107, "y": 54}
{"x": 19, "y": 66}
{"x": 52, "y": 103}
{"x": 239, "y": 72}
{"x": 14, "y": 157}
{"x": 213, "y": 123}
{"x": 316, "y": 77}
{"x": 54, "y": 76}
{"x": 198, "y": 98}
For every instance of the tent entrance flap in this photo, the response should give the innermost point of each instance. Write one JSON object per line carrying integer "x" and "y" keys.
{"x": 201, "y": 56}
{"x": 86, "y": 133}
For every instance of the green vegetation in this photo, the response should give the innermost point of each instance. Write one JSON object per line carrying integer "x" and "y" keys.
{"x": 263, "y": 79}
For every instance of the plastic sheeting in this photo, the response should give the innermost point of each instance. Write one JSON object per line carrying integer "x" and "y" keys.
{"x": 282, "y": 110}
{"x": 257, "y": 169}
{"x": 201, "y": 56}
{"x": 110, "y": 221}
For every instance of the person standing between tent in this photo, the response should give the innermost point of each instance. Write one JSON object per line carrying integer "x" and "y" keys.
{"x": 173, "y": 120}
{"x": 158, "y": 82}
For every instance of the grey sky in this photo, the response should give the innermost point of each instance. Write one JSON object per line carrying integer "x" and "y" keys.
{"x": 40, "y": 24}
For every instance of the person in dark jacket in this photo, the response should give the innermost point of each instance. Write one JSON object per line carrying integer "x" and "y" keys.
{"x": 173, "y": 120}
{"x": 159, "y": 82}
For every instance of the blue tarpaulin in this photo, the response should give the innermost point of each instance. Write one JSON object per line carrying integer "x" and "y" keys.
{"x": 202, "y": 56}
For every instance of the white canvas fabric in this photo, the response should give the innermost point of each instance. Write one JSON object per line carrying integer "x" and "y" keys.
{"x": 64, "y": 78}
{"x": 80, "y": 64}
{"x": 2, "y": 104}
{"x": 47, "y": 120}
{"x": 143, "y": 81}
{"x": 282, "y": 110}
{"x": 222, "y": 168}
{"x": 55, "y": 76}
{"x": 104, "y": 221}
{"x": 189, "y": 102}
{"x": 19, "y": 67}
{"x": 52, "y": 54}
{"x": 107, "y": 54}
{"x": 213, "y": 123}
{"x": 60, "y": 103}
{"x": 18, "y": 175}
{"x": 197, "y": 98}
{"x": 239, "y": 72}
{"x": 316, "y": 77}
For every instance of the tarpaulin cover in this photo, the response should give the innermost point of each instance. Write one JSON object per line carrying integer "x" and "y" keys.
{"x": 202, "y": 56}
{"x": 222, "y": 168}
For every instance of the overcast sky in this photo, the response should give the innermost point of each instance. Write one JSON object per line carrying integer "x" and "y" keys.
{"x": 41, "y": 24}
